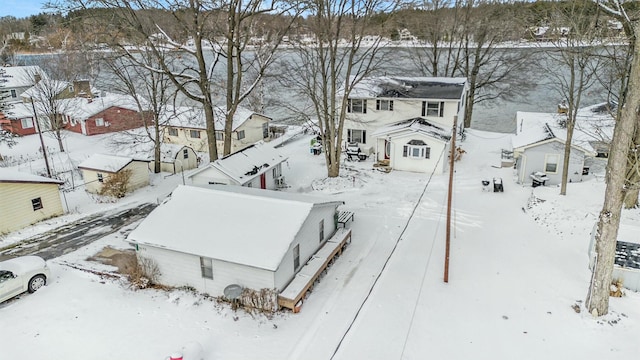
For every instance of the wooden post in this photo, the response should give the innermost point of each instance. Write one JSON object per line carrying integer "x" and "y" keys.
{"x": 44, "y": 147}
{"x": 449, "y": 195}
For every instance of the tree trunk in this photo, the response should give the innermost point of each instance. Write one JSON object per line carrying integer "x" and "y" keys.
{"x": 597, "y": 301}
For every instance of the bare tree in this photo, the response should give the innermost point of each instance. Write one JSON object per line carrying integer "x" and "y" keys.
{"x": 152, "y": 92}
{"x": 573, "y": 63}
{"x": 464, "y": 39}
{"x": 326, "y": 71}
{"x": 218, "y": 31}
{"x": 597, "y": 301}
{"x": 5, "y": 136}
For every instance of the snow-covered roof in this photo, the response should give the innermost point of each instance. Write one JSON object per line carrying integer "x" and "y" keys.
{"x": 246, "y": 164}
{"x": 19, "y": 111}
{"x": 249, "y": 228}
{"x": 193, "y": 117}
{"x": 418, "y": 125}
{"x": 145, "y": 150}
{"x": 108, "y": 163}
{"x": 45, "y": 89}
{"x": 83, "y": 108}
{"x": 593, "y": 124}
{"x": 21, "y": 76}
{"x": 12, "y": 176}
{"x": 441, "y": 88}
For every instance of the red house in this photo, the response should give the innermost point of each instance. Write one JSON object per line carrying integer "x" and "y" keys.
{"x": 104, "y": 114}
{"x": 18, "y": 119}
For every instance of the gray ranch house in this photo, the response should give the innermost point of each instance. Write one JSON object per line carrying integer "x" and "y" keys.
{"x": 539, "y": 143}
{"x": 232, "y": 235}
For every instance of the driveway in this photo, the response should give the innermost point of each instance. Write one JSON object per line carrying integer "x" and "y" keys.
{"x": 75, "y": 235}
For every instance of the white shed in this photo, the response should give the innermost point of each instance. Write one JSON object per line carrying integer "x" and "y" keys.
{"x": 413, "y": 145}
{"x": 97, "y": 168}
{"x": 26, "y": 199}
{"x": 259, "y": 166}
{"x": 228, "y": 235}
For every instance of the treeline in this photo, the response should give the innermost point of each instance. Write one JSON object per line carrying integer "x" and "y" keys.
{"x": 54, "y": 31}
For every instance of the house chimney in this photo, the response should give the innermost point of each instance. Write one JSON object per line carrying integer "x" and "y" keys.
{"x": 82, "y": 88}
{"x": 37, "y": 78}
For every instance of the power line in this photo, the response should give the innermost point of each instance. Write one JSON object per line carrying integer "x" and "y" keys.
{"x": 384, "y": 266}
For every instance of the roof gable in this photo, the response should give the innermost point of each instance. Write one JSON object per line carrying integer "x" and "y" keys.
{"x": 414, "y": 125}
{"x": 11, "y": 176}
{"x": 240, "y": 227}
{"x": 108, "y": 163}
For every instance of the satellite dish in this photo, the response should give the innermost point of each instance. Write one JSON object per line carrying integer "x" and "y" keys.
{"x": 233, "y": 291}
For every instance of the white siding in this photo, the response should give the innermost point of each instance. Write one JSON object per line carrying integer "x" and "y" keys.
{"x": 180, "y": 269}
{"x": 214, "y": 175}
{"x": 309, "y": 240}
{"x": 535, "y": 162}
{"x": 435, "y": 163}
{"x": 139, "y": 177}
{"x": 16, "y": 209}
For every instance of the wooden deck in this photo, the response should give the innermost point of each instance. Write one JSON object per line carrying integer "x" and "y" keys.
{"x": 292, "y": 296}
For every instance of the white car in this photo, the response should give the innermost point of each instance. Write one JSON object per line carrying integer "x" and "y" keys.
{"x": 26, "y": 273}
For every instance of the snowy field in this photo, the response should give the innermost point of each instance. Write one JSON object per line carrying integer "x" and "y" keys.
{"x": 515, "y": 273}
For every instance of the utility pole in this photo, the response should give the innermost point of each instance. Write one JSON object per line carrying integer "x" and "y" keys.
{"x": 449, "y": 196}
{"x": 44, "y": 148}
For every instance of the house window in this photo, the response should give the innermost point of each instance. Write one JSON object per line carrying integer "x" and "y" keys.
{"x": 250, "y": 184}
{"x": 276, "y": 172}
{"x": 321, "y": 230}
{"x": 71, "y": 89}
{"x": 185, "y": 153}
{"x": 219, "y": 135}
{"x": 358, "y": 106}
{"x": 14, "y": 94}
{"x": 99, "y": 122}
{"x": 431, "y": 108}
{"x": 206, "y": 267}
{"x": 416, "y": 149}
{"x": 173, "y": 132}
{"x": 296, "y": 257}
{"x": 195, "y": 134}
{"x": 27, "y": 123}
{"x": 384, "y": 105}
{"x": 36, "y": 203}
{"x": 358, "y": 136}
{"x": 100, "y": 177}
{"x": 240, "y": 134}
{"x": 551, "y": 164}
{"x": 265, "y": 130}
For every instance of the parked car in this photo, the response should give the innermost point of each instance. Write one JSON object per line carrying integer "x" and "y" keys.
{"x": 26, "y": 273}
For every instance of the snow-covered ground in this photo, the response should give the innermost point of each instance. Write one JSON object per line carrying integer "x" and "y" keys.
{"x": 515, "y": 273}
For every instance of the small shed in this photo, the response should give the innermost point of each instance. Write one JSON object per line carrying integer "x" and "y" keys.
{"x": 27, "y": 199}
{"x": 175, "y": 158}
{"x": 413, "y": 145}
{"x": 210, "y": 238}
{"x": 97, "y": 168}
{"x": 259, "y": 166}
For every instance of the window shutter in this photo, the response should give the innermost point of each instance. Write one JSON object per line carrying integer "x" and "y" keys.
{"x": 349, "y": 105}
{"x": 348, "y": 135}
{"x": 364, "y": 106}
{"x": 390, "y": 105}
{"x": 427, "y": 153}
{"x": 364, "y": 136}
{"x": 405, "y": 149}
{"x": 377, "y": 104}
{"x": 441, "y": 108}
{"x": 424, "y": 108}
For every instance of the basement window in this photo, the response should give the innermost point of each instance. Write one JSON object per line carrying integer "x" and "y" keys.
{"x": 36, "y": 203}
{"x": 206, "y": 267}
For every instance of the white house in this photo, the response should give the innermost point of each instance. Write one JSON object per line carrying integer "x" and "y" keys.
{"x": 97, "y": 169}
{"x": 413, "y": 145}
{"x": 187, "y": 126}
{"x": 210, "y": 238}
{"x": 26, "y": 199}
{"x": 259, "y": 166}
{"x": 539, "y": 142}
{"x": 379, "y": 101}
{"x": 17, "y": 79}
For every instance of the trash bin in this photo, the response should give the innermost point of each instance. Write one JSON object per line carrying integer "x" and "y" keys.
{"x": 497, "y": 185}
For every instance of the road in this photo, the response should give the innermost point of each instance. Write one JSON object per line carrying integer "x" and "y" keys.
{"x": 73, "y": 236}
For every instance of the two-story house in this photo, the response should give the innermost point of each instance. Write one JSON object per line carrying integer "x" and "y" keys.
{"x": 187, "y": 126}
{"x": 381, "y": 101}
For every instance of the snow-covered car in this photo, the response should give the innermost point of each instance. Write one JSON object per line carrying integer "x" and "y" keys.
{"x": 26, "y": 273}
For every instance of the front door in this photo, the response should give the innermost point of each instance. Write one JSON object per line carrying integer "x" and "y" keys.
{"x": 387, "y": 149}
{"x": 263, "y": 181}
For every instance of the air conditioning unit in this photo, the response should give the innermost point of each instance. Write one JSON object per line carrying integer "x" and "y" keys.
{"x": 280, "y": 181}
